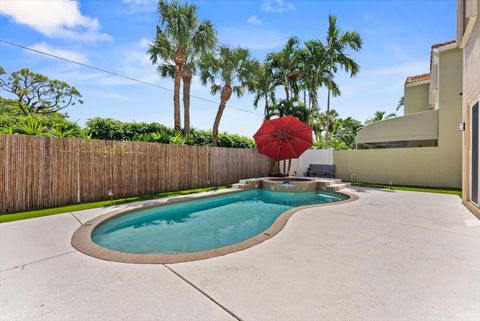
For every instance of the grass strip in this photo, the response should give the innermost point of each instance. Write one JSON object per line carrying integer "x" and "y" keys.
{"x": 86, "y": 206}
{"x": 426, "y": 189}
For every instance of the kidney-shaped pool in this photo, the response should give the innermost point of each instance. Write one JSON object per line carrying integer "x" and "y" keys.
{"x": 200, "y": 225}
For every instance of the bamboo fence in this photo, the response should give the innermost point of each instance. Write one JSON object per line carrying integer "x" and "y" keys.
{"x": 43, "y": 172}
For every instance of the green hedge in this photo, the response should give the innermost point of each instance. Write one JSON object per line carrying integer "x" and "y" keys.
{"x": 111, "y": 129}
{"x": 14, "y": 122}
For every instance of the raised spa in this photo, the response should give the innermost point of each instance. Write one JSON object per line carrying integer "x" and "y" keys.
{"x": 290, "y": 184}
{"x": 203, "y": 224}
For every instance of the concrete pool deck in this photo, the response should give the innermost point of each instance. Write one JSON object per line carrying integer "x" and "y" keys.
{"x": 391, "y": 255}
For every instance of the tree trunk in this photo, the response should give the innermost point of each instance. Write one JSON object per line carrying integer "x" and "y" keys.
{"x": 225, "y": 96}
{"x": 327, "y": 134}
{"x": 179, "y": 61}
{"x": 289, "y": 166}
{"x": 287, "y": 90}
{"x": 267, "y": 108}
{"x": 187, "y": 79}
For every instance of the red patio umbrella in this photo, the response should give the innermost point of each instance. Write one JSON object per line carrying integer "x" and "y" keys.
{"x": 283, "y": 138}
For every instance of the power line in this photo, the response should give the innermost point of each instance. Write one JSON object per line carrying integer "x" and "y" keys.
{"x": 119, "y": 75}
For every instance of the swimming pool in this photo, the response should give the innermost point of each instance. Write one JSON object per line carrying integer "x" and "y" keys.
{"x": 202, "y": 225}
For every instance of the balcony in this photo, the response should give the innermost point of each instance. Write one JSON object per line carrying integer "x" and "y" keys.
{"x": 414, "y": 130}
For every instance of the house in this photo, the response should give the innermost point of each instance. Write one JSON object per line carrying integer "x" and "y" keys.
{"x": 423, "y": 147}
{"x": 420, "y": 125}
{"x": 468, "y": 39}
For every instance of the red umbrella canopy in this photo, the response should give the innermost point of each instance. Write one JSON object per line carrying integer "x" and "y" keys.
{"x": 283, "y": 138}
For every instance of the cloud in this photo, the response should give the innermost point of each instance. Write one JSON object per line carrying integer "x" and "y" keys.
{"x": 139, "y": 6}
{"x": 256, "y": 39}
{"x": 277, "y": 6}
{"x": 59, "y": 18}
{"x": 138, "y": 2}
{"x": 253, "y": 20}
{"x": 68, "y": 54}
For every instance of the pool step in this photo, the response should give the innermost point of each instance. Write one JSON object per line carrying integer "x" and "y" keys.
{"x": 245, "y": 184}
{"x": 332, "y": 184}
{"x": 329, "y": 181}
{"x": 337, "y": 187}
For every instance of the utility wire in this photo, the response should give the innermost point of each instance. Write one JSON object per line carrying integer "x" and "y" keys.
{"x": 119, "y": 75}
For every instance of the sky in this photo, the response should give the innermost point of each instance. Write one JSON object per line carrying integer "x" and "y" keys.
{"x": 115, "y": 34}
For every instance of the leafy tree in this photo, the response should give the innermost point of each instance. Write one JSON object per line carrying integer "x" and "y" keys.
{"x": 264, "y": 84}
{"x": 327, "y": 121}
{"x": 285, "y": 67}
{"x": 180, "y": 40}
{"x": 346, "y": 130}
{"x": 36, "y": 94}
{"x": 316, "y": 72}
{"x": 379, "y": 116}
{"x": 228, "y": 71}
{"x": 336, "y": 44}
{"x": 290, "y": 107}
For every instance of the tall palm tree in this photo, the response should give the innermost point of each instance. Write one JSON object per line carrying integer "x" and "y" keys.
{"x": 379, "y": 116}
{"x": 285, "y": 66}
{"x": 315, "y": 72}
{"x": 179, "y": 41}
{"x": 337, "y": 43}
{"x": 264, "y": 85}
{"x": 228, "y": 71}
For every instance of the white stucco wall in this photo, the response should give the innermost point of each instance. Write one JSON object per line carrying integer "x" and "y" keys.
{"x": 312, "y": 156}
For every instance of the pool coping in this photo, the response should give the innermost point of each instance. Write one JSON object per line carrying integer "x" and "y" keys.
{"x": 81, "y": 239}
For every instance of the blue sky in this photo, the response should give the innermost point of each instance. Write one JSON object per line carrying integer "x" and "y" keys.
{"x": 114, "y": 35}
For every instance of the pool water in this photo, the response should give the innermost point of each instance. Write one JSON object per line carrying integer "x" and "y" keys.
{"x": 202, "y": 224}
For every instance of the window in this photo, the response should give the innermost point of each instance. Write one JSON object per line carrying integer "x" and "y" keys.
{"x": 474, "y": 149}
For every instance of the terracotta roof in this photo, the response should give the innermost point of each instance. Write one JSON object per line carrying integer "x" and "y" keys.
{"x": 417, "y": 78}
{"x": 438, "y": 45}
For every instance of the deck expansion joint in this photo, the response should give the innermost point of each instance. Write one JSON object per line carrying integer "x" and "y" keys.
{"x": 203, "y": 292}
{"x": 22, "y": 266}
{"x": 76, "y": 218}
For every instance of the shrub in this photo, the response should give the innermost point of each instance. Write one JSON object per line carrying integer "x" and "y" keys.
{"x": 111, "y": 129}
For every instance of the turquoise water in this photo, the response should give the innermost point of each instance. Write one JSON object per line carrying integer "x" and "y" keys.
{"x": 203, "y": 224}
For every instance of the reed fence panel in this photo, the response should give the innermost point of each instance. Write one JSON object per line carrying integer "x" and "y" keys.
{"x": 42, "y": 172}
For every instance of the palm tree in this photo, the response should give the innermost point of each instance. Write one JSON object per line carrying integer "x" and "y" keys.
{"x": 327, "y": 120}
{"x": 315, "y": 72}
{"x": 401, "y": 103}
{"x": 337, "y": 43}
{"x": 228, "y": 71}
{"x": 283, "y": 108}
{"x": 263, "y": 86}
{"x": 179, "y": 41}
{"x": 346, "y": 130}
{"x": 379, "y": 116}
{"x": 285, "y": 66}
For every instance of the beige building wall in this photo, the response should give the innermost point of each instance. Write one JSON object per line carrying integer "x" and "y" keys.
{"x": 471, "y": 84}
{"x": 416, "y": 98}
{"x": 468, "y": 26}
{"x": 424, "y": 166}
